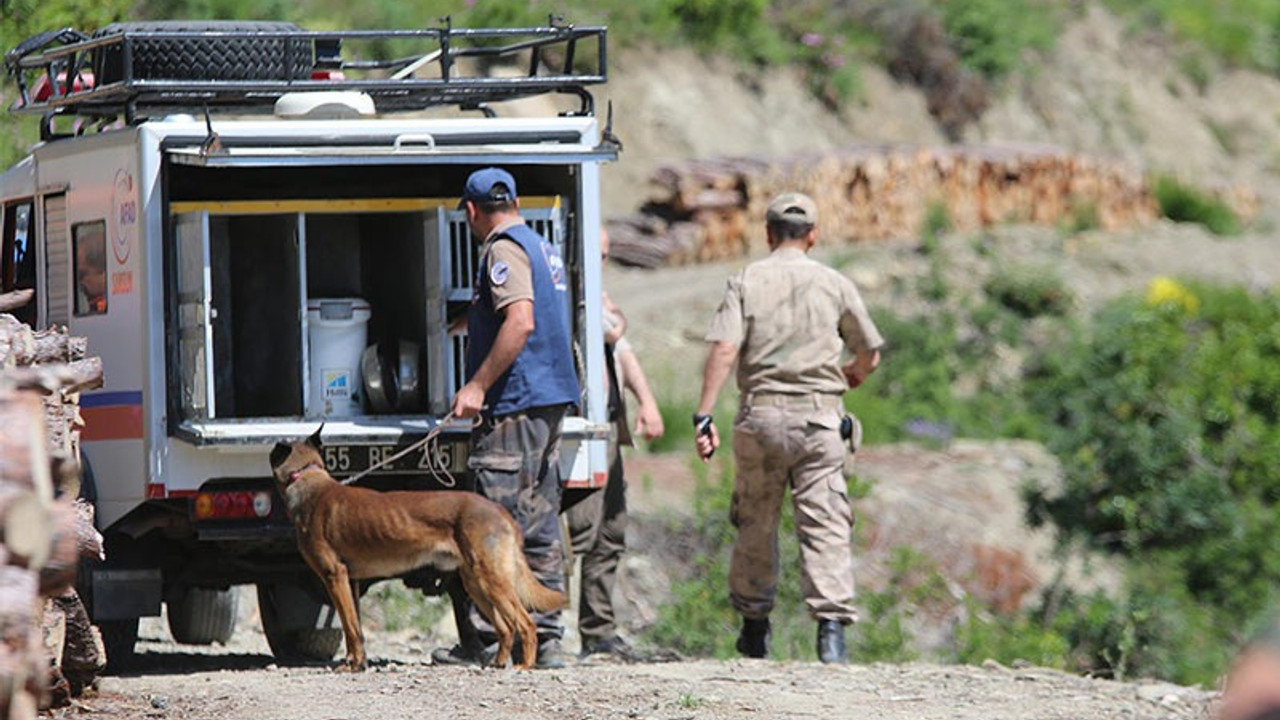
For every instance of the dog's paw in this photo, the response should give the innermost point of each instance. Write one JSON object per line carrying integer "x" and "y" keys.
{"x": 350, "y": 666}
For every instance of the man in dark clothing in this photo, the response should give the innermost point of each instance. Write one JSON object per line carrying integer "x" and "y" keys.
{"x": 521, "y": 379}
{"x": 598, "y": 524}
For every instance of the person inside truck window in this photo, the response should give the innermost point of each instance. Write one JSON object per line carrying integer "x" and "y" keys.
{"x": 91, "y": 268}
{"x": 19, "y": 261}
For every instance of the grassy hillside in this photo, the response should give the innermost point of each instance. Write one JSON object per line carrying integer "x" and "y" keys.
{"x": 958, "y": 51}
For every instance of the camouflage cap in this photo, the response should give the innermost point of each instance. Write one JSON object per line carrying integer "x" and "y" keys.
{"x": 794, "y": 208}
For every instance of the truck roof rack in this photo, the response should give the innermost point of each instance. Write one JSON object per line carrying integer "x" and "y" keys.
{"x": 131, "y": 70}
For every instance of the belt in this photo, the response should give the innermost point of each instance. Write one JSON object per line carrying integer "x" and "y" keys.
{"x": 817, "y": 401}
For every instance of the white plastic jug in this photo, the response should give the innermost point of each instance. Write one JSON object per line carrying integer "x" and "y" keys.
{"x": 337, "y": 331}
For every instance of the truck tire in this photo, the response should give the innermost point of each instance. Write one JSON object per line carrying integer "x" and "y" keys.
{"x": 240, "y": 57}
{"x": 202, "y": 616}
{"x": 298, "y": 628}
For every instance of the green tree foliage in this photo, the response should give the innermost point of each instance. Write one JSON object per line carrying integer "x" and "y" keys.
{"x": 1165, "y": 414}
{"x": 21, "y": 19}
{"x": 221, "y": 10}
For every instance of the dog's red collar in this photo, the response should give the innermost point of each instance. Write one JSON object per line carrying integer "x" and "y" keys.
{"x": 293, "y": 476}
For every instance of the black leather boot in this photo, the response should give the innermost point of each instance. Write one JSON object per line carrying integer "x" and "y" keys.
{"x": 831, "y": 642}
{"x": 753, "y": 641}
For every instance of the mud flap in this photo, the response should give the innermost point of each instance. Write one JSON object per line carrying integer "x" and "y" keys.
{"x": 125, "y": 594}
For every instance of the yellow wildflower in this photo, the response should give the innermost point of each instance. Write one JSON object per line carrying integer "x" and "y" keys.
{"x": 1166, "y": 290}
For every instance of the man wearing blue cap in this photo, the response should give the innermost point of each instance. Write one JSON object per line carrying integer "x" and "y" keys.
{"x": 521, "y": 379}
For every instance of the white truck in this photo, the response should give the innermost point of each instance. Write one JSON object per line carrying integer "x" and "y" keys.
{"x": 256, "y": 229}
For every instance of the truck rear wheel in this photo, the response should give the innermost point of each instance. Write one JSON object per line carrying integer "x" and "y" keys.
{"x": 298, "y": 628}
{"x": 202, "y": 616}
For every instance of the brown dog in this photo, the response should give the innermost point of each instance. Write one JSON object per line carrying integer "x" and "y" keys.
{"x": 349, "y": 533}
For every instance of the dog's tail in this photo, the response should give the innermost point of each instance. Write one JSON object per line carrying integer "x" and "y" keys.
{"x": 535, "y": 596}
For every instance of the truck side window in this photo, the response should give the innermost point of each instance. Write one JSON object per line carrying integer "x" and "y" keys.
{"x": 18, "y": 256}
{"x": 17, "y": 250}
{"x": 90, "y": 244}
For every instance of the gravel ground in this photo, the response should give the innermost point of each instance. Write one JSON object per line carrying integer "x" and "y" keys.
{"x": 181, "y": 685}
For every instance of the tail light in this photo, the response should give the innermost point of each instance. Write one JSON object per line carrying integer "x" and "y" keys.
{"x": 232, "y": 504}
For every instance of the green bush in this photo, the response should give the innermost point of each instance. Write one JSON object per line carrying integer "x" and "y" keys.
{"x": 984, "y": 636}
{"x": 914, "y": 396}
{"x": 1166, "y": 416}
{"x": 937, "y": 222}
{"x": 1183, "y": 203}
{"x": 1030, "y": 292}
{"x": 992, "y": 35}
{"x": 392, "y": 607}
{"x": 698, "y": 620}
{"x": 1244, "y": 33}
{"x": 1082, "y": 217}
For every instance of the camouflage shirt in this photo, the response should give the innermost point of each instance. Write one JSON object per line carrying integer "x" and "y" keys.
{"x": 791, "y": 317}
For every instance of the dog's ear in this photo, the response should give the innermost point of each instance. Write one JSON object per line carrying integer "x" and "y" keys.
{"x": 279, "y": 454}
{"x": 314, "y": 440}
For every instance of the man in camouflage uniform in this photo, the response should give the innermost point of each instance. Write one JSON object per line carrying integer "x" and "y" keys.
{"x": 521, "y": 379}
{"x": 785, "y": 320}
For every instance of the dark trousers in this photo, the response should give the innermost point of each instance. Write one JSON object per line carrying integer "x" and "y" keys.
{"x": 516, "y": 462}
{"x": 597, "y": 533}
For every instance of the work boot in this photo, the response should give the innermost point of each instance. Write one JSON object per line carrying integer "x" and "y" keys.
{"x": 753, "y": 641}
{"x": 550, "y": 656}
{"x": 613, "y": 647}
{"x": 831, "y": 648}
{"x": 463, "y": 654}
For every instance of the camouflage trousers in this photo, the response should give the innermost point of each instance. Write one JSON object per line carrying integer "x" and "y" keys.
{"x": 598, "y": 534}
{"x": 791, "y": 441}
{"x": 516, "y": 462}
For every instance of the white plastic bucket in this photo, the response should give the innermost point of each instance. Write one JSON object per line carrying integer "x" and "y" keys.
{"x": 337, "y": 331}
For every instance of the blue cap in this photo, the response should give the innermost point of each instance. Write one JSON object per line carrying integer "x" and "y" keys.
{"x": 489, "y": 185}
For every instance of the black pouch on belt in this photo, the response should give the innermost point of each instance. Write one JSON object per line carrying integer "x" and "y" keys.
{"x": 851, "y": 431}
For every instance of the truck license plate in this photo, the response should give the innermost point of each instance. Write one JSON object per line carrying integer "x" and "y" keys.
{"x": 351, "y": 459}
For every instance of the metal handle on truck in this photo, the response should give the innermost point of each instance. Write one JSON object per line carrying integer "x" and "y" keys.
{"x": 415, "y": 138}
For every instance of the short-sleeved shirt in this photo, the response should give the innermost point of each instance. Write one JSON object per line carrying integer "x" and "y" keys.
{"x": 791, "y": 318}
{"x": 510, "y": 273}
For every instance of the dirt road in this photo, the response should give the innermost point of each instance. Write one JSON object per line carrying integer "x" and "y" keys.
{"x": 402, "y": 685}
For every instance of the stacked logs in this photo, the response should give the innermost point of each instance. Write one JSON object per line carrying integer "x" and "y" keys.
{"x": 48, "y": 651}
{"x": 713, "y": 209}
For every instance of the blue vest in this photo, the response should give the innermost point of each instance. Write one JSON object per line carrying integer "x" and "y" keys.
{"x": 544, "y": 372}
